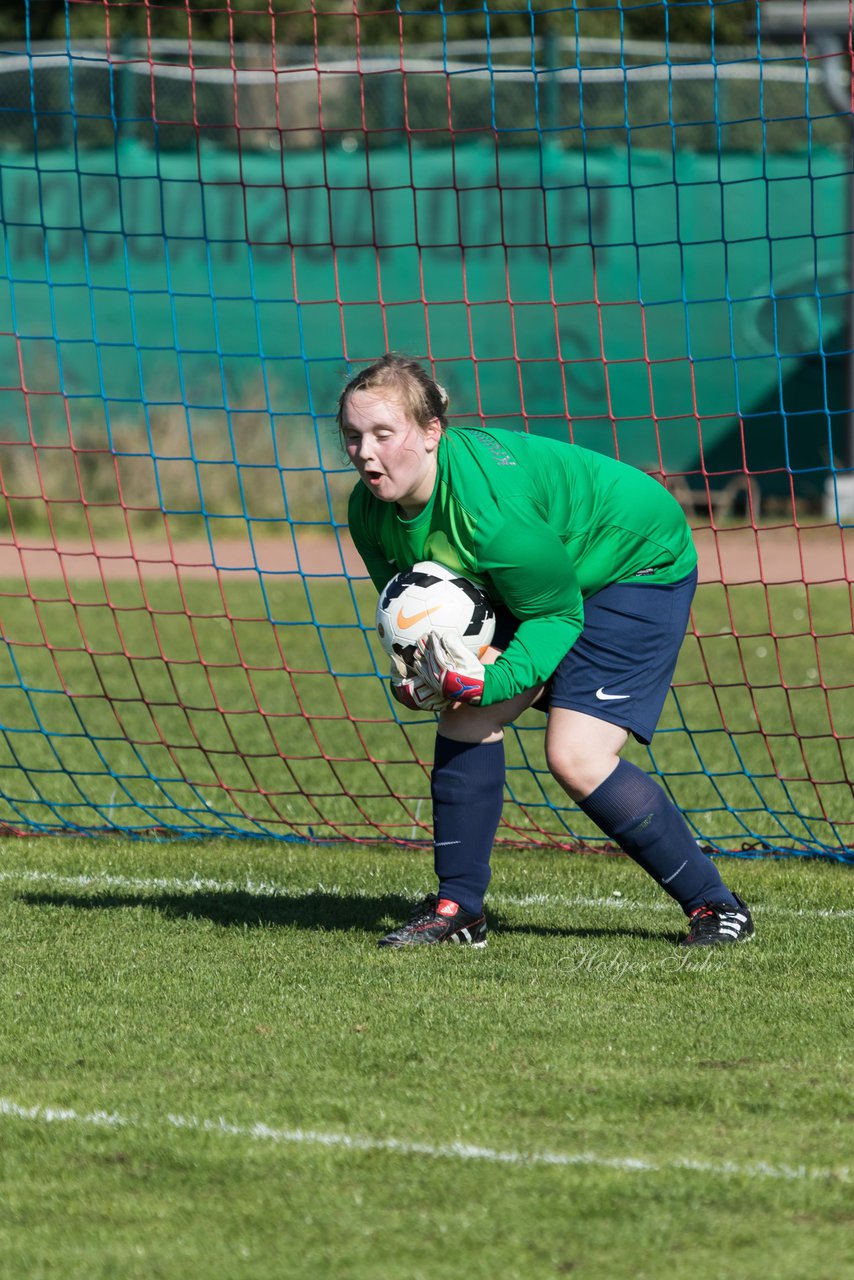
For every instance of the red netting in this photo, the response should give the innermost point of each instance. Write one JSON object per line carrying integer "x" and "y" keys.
{"x": 589, "y": 229}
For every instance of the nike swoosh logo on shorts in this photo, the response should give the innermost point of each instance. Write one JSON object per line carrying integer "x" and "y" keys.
{"x": 611, "y": 697}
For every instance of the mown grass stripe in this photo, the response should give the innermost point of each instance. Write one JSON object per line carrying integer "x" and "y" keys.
{"x": 261, "y": 1132}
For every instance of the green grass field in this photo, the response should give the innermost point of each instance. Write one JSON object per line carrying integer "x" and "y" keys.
{"x": 208, "y": 1069}
{"x": 263, "y": 708}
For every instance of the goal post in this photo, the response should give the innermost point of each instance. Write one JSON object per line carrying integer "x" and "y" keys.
{"x": 603, "y": 224}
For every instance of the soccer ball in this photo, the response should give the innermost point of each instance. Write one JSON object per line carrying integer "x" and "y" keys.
{"x": 429, "y": 597}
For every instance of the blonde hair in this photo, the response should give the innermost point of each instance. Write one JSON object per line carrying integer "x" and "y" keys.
{"x": 406, "y": 381}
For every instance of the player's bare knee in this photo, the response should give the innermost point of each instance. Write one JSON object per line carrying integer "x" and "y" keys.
{"x": 571, "y": 765}
{"x": 464, "y": 723}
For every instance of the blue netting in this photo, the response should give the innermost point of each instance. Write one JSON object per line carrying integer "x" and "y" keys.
{"x": 615, "y": 225}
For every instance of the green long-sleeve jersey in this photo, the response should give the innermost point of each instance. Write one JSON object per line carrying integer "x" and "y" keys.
{"x": 541, "y": 525}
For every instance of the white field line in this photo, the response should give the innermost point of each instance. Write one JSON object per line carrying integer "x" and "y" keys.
{"x": 103, "y": 880}
{"x": 260, "y": 1132}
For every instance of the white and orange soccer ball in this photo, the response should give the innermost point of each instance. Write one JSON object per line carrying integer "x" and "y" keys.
{"x": 429, "y": 597}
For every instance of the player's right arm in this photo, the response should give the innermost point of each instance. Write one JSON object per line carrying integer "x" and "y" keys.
{"x": 407, "y": 686}
{"x": 380, "y": 568}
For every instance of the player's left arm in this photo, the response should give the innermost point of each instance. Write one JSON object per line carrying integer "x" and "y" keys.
{"x": 530, "y": 572}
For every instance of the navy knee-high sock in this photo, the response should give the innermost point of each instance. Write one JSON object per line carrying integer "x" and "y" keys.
{"x": 467, "y": 786}
{"x": 636, "y": 813}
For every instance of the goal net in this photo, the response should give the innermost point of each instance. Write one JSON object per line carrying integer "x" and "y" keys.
{"x": 624, "y": 226}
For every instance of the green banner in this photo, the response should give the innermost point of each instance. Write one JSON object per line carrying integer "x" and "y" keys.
{"x": 643, "y": 300}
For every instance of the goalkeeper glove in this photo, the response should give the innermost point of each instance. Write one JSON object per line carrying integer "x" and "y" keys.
{"x": 411, "y": 691}
{"x": 449, "y": 668}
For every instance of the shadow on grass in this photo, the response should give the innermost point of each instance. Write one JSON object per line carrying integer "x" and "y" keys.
{"x": 315, "y": 910}
{"x": 323, "y": 911}
{"x": 563, "y": 931}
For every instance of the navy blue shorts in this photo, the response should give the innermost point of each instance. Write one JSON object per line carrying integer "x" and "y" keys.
{"x": 621, "y": 666}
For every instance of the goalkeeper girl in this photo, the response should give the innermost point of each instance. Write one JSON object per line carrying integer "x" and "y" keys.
{"x": 592, "y": 569}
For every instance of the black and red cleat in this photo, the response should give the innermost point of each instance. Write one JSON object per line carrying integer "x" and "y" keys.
{"x": 718, "y": 922}
{"x": 438, "y": 920}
